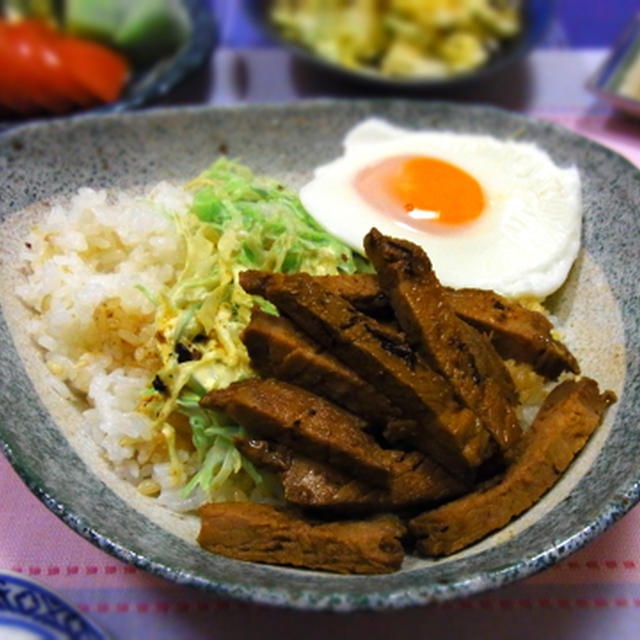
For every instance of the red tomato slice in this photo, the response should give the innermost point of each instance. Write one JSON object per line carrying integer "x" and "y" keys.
{"x": 101, "y": 71}
{"x": 57, "y": 79}
{"x": 25, "y": 44}
{"x": 42, "y": 70}
{"x": 13, "y": 93}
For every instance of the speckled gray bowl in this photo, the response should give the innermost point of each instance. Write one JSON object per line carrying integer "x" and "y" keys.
{"x": 598, "y": 309}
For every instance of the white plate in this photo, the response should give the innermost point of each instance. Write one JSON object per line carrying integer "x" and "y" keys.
{"x": 31, "y": 611}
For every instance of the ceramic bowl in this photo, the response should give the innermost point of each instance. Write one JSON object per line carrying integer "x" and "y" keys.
{"x": 31, "y": 610}
{"x": 536, "y": 14}
{"x": 154, "y": 82}
{"x": 158, "y": 80}
{"x": 617, "y": 81}
{"x": 598, "y": 309}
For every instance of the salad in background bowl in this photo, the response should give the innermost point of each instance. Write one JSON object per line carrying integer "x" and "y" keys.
{"x": 406, "y": 44}
{"x": 64, "y": 56}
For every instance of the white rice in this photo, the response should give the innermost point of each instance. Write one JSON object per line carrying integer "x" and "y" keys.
{"x": 84, "y": 265}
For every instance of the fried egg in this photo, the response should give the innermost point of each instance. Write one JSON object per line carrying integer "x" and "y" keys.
{"x": 490, "y": 213}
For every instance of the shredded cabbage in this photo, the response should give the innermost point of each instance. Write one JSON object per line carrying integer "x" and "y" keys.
{"x": 237, "y": 221}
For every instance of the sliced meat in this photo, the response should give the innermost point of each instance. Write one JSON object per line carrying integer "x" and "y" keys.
{"x": 515, "y": 331}
{"x": 362, "y": 290}
{"x": 407, "y": 432}
{"x": 306, "y": 423}
{"x": 415, "y": 480}
{"x": 569, "y": 415}
{"x": 262, "y": 533}
{"x": 383, "y": 358}
{"x": 464, "y": 356}
{"x": 277, "y": 349}
{"x": 264, "y": 453}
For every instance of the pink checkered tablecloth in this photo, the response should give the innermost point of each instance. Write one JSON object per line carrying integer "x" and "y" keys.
{"x": 593, "y": 595}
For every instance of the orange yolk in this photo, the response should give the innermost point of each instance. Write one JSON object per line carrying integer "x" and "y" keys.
{"x": 420, "y": 191}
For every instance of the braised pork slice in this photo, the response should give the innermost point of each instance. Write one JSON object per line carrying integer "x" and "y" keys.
{"x": 383, "y": 358}
{"x": 306, "y": 423}
{"x": 263, "y": 533}
{"x": 462, "y": 354}
{"x": 515, "y": 331}
{"x": 277, "y": 349}
{"x": 361, "y": 289}
{"x": 265, "y": 453}
{"x": 566, "y": 419}
{"x": 415, "y": 480}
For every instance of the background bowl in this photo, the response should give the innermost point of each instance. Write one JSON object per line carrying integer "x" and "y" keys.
{"x": 158, "y": 80}
{"x": 537, "y": 15}
{"x": 154, "y": 82}
{"x": 607, "y": 81}
{"x": 598, "y": 309}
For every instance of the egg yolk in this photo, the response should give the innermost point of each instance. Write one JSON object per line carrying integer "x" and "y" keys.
{"x": 419, "y": 191}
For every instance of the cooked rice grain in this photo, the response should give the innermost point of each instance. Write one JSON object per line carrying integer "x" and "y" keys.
{"x": 85, "y": 266}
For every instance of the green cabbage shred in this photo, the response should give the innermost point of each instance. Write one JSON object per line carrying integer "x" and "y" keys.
{"x": 237, "y": 221}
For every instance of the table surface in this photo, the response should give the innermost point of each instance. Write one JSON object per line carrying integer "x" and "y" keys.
{"x": 594, "y": 594}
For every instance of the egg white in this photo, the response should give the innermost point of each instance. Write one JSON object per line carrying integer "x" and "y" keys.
{"x": 524, "y": 243}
